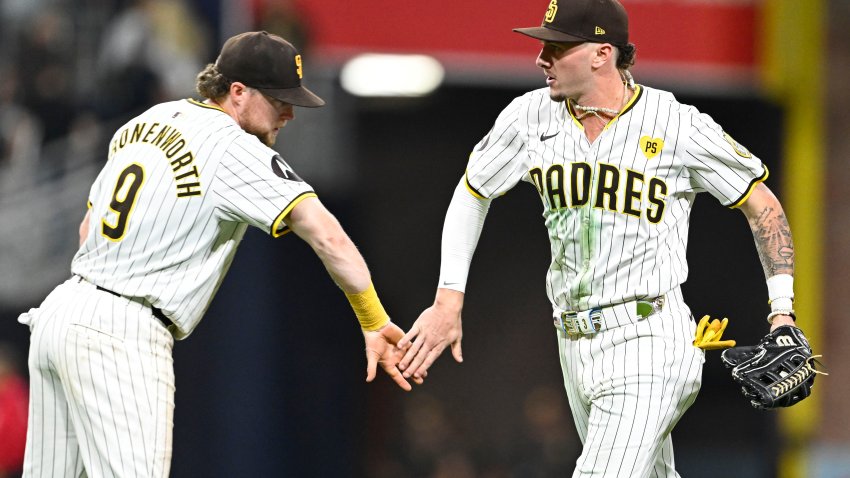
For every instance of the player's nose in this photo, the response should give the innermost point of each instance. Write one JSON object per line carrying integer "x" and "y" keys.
{"x": 542, "y": 59}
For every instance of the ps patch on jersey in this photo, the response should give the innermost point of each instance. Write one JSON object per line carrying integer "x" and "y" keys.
{"x": 282, "y": 170}
{"x": 651, "y": 147}
{"x": 738, "y": 147}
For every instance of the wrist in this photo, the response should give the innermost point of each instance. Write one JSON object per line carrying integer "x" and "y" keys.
{"x": 780, "y": 293}
{"x": 786, "y": 316}
{"x": 449, "y": 300}
{"x": 368, "y": 309}
{"x": 780, "y": 320}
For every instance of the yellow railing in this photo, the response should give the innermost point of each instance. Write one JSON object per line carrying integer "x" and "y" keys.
{"x": 792, "y": 62}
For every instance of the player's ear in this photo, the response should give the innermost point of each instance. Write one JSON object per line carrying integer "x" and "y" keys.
{"x": 237, "y": 92}
{"x": 602, "y": 53}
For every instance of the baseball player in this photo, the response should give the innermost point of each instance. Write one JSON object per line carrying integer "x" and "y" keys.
{"x": 617, "y": 166}
{"x": 182, "y": 182}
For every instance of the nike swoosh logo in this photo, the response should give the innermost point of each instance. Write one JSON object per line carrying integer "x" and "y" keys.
{"x": 450, "y": 283}
{"x": 544, "y": 137}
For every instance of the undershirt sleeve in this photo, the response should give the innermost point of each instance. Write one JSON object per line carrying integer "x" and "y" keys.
{"x": 461, "y": 230}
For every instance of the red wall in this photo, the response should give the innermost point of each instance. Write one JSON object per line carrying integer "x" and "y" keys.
{"x": 709, "y": 32}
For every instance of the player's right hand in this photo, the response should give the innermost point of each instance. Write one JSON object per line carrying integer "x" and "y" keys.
{"x": 437, "y": 327}
{"x": 382, "y": 349}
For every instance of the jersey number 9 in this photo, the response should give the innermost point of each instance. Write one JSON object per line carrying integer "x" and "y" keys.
{"x": 123, "y": 200}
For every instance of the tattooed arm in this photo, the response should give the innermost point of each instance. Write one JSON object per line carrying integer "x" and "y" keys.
{"x": 772, "y": 235}
{"x": 771, "y": 231}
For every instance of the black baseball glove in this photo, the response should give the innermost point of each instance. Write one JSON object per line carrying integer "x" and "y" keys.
{"x": 777, "y": 372}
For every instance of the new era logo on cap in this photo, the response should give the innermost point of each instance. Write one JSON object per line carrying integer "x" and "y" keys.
{"x": 600, "y": 21}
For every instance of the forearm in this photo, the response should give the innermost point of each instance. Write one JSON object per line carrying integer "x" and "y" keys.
{"x": 771, "y": 232}
{"x": 343, "y": 261}
{"x": 439, "y": 326}
{"x": 316, "y": 226}
{"x": 775, "y": 247}
{"x": 462, "y": 228}
{"x": 323, "y": 233}
{"x": 347, "y": 268}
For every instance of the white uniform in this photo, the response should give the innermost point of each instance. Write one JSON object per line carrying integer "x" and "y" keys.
{"x": 182, "y": 183}
{"x": 617, "y": 212}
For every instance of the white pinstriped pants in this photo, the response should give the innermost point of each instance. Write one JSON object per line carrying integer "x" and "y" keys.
{"x": 628, "y": 387}
{"x": 101, "y": 387}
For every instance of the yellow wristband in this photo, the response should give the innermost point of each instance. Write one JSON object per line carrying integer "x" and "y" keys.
{"x": 368, "y": 309}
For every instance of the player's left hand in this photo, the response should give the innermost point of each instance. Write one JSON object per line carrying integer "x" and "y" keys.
{"x": 709, "y": 333}
{"x": 381, "y": 349}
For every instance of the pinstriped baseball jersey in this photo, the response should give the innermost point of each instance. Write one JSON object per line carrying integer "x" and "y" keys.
{"x": 182, "y": 183}
{"x": 616, "y": 209}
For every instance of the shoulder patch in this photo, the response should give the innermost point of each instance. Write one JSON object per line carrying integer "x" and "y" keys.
{"x": 738, "y": 147}
{"x": 282, "y": 170}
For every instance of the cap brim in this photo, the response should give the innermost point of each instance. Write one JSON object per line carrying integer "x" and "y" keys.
{"x": 548, "y": 34}
{"x": 299, "y": 96}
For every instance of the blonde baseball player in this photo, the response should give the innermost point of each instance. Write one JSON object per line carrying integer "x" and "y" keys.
{"x": 617, "y": 166}
{"x": 182, "y": 183}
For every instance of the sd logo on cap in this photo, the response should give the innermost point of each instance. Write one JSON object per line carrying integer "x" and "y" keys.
{"x": 598, "y": 21}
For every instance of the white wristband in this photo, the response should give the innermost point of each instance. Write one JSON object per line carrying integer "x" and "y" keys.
{"x": 780, "y": 292}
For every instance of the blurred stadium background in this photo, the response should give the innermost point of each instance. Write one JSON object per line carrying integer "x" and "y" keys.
{"x": 260, "y": 394}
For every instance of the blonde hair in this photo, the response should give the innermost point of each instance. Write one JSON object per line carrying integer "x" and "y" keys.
{"x": 211, "y": 84}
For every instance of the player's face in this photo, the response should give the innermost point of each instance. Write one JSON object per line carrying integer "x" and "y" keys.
{"x": 567, "y": 68}
{"x": 264, "y": 116}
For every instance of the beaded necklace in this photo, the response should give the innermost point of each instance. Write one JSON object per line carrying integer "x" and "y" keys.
{"x": 628, "y": 83}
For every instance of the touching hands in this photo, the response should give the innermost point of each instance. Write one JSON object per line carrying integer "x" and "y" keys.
{"x": 437, "y": 327}
{"x": 382, "y": 348}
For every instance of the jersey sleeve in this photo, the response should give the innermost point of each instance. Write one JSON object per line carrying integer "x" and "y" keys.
{"x": 719, "y": 164}
{"x": 256, "y": 186}
{"x": 496, "y": 164}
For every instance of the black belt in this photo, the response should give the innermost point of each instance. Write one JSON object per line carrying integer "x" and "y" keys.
{"x": 156, "y": 311}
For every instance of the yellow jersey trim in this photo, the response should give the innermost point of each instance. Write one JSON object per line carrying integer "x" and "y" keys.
{"x": 279, "y": 219}
{"x": 204, "y": 105}
{"x": 471, "y": 189}
{"x": 750, "y": 189}
{"x": 573, "y": 116}
{"x": 629, "y": 106}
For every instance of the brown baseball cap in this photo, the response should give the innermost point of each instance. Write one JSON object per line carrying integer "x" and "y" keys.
{"x": 598, "y": 21}
{"x": 268, "y": 63}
